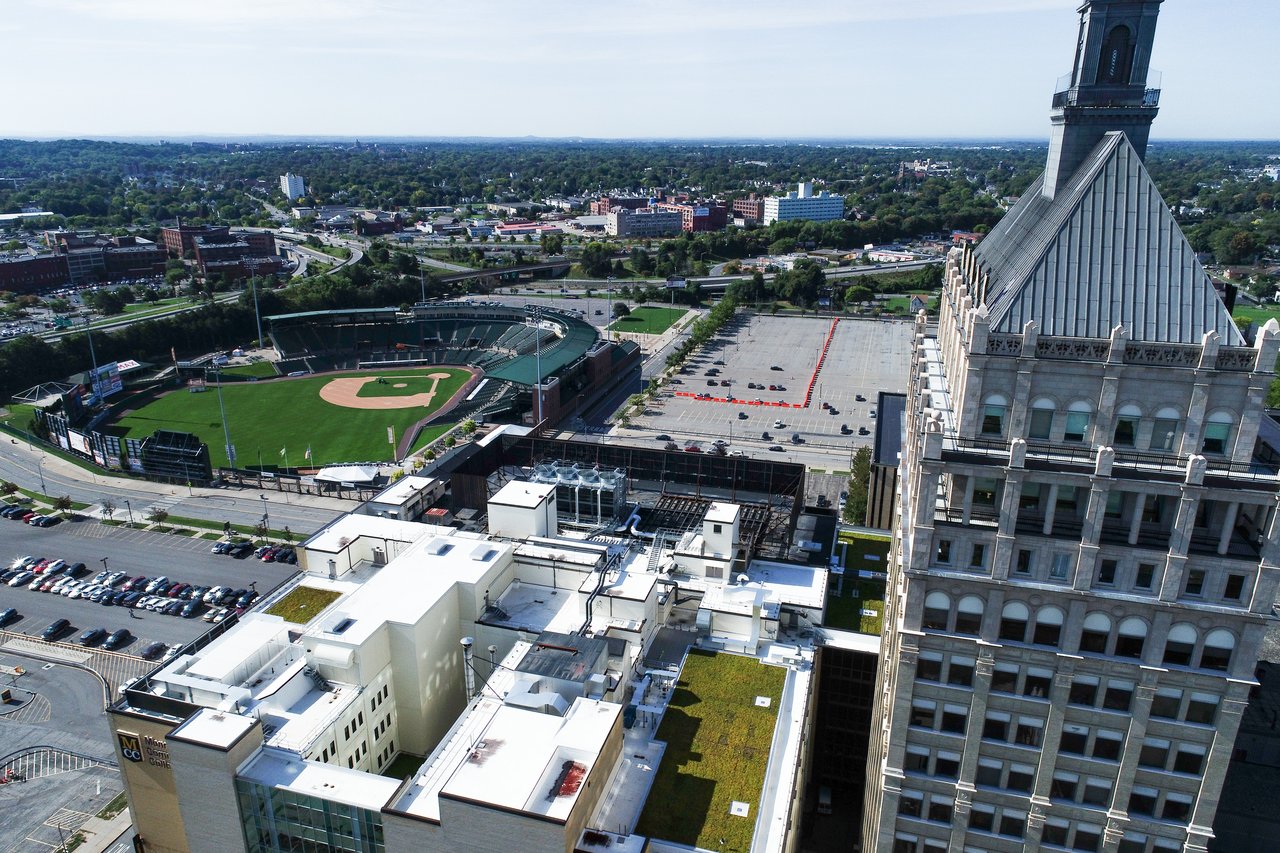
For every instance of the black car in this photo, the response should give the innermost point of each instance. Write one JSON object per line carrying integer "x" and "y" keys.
{"x": 118, "y": 638}
{"x": 8, "y": 575}
{"x": 240, "y": 550}
{"x": 247, "y": 599}
{"x": 190, "y": 609}
{"x": 55, "y": 629}
{"x": 92, "y": 637}
{"x": 662, "y": 437}
{"x": 8, "y": 615}
{"x": 75, "y": 570}
{"x": 153, "y": 650}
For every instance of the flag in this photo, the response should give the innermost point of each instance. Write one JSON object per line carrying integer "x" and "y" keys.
{"x": 282, "y": 451}
{"x": 307, "y": 455}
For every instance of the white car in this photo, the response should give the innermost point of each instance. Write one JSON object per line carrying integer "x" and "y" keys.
{"x": 71, "y": 587}
{"x": 22, "y": 562}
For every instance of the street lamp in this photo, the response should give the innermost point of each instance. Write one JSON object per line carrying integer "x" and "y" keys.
{"x": 40, "y": 471}
{"x": 266, "y": 520}
{"x": 252, "y": 265}
{"x": 130, "y": 509}
{"x": 226, "y": 434}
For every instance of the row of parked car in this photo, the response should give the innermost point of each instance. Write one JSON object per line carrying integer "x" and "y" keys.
{"x": 266, "y": 553}
{"x": 112, "y": 640}
{"x": 25, "y": 514}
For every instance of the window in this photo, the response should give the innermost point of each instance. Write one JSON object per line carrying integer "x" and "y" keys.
{"x": 954, "y": 718}
{"x": 1029, "y": 497}
{"x": 1037, "y": 683}
{"x": 1048, "y": 630}
{"x": 1030, "y": 732}
{"x": 937, "y": 610}
{"x": 1133, "y": 842}
{"x": 993, "y": 414}
{"x": 1077, "y": 422}
{"x": 1153, "y": 509}
{"x": 1217, "y": 433}
{"x": 969, "y": 615}
{"x": 1118, "y": 696}
{"x": 944, "y": 551}
{"x": 1012, "y": 824}
{"x": 1189, "y": 759}
{"x": 1115, "y": 504}
{"x": 996, "y": 726}
{"x": 989, "y": 772}
{"x": 1087, "y": 838}
{"x": 1107, "y": 572}
{"x": 1075, "y": 739}
{"x": 1130, "y": 638}
{"x": 1063, "y": 786}
{"x": 1061, "y": 566}
{"x": 1107, "y": 744}
{"x": 960, "y": 673}
{"x": 1021, "y": 777}
{"x": 1164, "y": 433}
{"x": 1145, "y": 576}
{"x": 1004, "y": 679}
{"x": 1179, "y": 645}
{"x": 947, "y": 765}
{"x": 1055, "y": 832}
{"x": 1165, "y": 703}
{"x": 1126, "y": 434}
{"x": 916, "y": 761}
{"x": 1143, "y": 800}
{"x": 1084, "y": 691}
{"x": 940, "y": 810}
{"x": 1202, "y": 708}
{"x": 1234, "y": 589}
{"x": 1023, "y": 565}
{"x": 1013, "y": 621}
{"x": 1195, "y": 583}
{"x": 904, "y": 844}
{"x": 1218, "y": 645}
{"x": 911, "y": 804}
{"x": 982, "y": 819}
{"x": 978, "y": 556}
{"x": 929, "y": 667}
{"x": 1096, "y": 633}
{"x": 984, "y": 491}
{"x": 1040, "y": 425}
{"x": 1154, "y": 753}
{"x": 922, "y": 713}
{"x": 1176, "y": 807}
{"x": 1097, "y": 791}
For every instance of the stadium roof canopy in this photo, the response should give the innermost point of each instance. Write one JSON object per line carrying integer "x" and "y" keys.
{"x": 347, "y": 474}
{"x": 579, "y": 336}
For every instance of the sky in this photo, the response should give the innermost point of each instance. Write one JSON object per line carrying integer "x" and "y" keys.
{"x": 834, "y": 69}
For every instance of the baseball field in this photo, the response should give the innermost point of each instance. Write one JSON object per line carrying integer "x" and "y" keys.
{"x": 340, "y": 417}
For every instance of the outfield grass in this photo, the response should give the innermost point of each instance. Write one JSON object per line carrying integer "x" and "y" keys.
{"x": 717, "y": 750}
{"x": 258, "y": 369}
{"x": 303, "y": 603}
{"x": 1257, "y": 315}
{"x": 264, "y": 417}
{"x": 648, "y": 320}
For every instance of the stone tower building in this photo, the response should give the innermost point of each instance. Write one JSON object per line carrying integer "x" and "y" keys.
{"x": 1087, "y": 546}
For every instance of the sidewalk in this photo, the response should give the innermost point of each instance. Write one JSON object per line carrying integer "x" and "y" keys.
{"x": 100, "y": 834}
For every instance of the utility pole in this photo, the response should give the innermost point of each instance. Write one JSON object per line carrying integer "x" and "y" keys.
{"x": 226, "y": 434}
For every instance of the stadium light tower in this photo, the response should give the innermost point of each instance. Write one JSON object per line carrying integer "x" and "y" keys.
{"x": 536, "y": 313}
{"x": 226, "y": 434}
{"x": 252, "y": 264}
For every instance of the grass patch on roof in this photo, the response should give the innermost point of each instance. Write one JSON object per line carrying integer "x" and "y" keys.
{"x": 718, "y": 743}
{"x": 303, "y": 604}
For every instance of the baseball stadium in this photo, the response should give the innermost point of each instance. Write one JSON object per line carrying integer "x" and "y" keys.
{"x": 367, "y": 385}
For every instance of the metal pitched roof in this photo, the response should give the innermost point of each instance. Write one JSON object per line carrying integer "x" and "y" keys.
{"x": 1104, "y": 252}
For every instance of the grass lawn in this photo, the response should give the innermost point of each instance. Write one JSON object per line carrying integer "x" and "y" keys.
{"x": 1257, "y": 315}
{"x": 264, "y": 417}
{"x": 859, "y": 552}
{"x": 303, "y": 604}
{"x": 648, "y": 320}
{"x": 159, "y": 304}
{"x": 402, "y": 766}
{"x": 259, "y": 369}
{"x": 334, "y": 251}
{"x": 717, "y": 749}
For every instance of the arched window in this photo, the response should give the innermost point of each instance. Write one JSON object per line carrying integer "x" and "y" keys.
{"x": 1180, "y": 644}
{"x": 1217, "y": 432}
{"x": 1218, "y": 645}
{"x": 1096, "y": 633}
{"x": 1041, "y": 424}
{"x": 1116, "y": 62}
{"x": 969, "y": 615}
{"x": 1048, "y": 630}
{"x": 937, "y": 611}
{"x": 1127, "y": 421}
{"x": 1013, "y": 622}
{"x": 1078, "y": 416}
{"x": 994, "y": 411}
{"x": 1131, "y": 637}
{"x": 1164, "y": 433}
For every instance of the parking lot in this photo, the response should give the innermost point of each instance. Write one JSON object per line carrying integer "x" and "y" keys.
{"x": 863, "y": 358}
{"x": 135, "y": 552}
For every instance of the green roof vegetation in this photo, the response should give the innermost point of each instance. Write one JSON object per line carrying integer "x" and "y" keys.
{"x": 717, "y": 750}
{"x": 302, "y": 604}
{"x": 855, "y": 603}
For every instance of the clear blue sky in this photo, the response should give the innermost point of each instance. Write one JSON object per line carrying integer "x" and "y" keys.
{"x": 605, "y": 68}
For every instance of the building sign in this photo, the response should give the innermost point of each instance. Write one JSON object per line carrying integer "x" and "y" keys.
{"x": 106, "y": 380}
{"x": 137, "y": 747}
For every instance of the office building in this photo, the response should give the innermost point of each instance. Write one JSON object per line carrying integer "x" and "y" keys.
{"x": 645, "y": 222}
{"x": 1085, "y": 559}
{"x": 27, "y": 273}
{"x": 697, "y": 215}
{"x": 801, "y": 203}
{"x": 750, "y": 209}
{"x": 292, "y": 186}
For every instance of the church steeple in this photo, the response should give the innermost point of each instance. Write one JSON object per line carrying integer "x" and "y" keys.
{"x": 1107, "y": 89}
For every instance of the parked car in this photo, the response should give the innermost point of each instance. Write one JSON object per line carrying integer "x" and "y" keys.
{"x": 118, "y": 638}
{"x": 155, "y": 584}
{"x": 220, "y": 547}
{"x": 75, "y": 570}
{"x": 189, "y": 609}
{"x": 92, "y": 637}
{"x": 9, "y": 614}
{"x": 134, "y": 583}
{"x": 240, "y": 550}
{"x": 152, "y": 650}
{"x": 21, "y": 578}
{"x": 170, "y": 607}
{"x": 55, "y": 629}
{"x": 777, "y": 448}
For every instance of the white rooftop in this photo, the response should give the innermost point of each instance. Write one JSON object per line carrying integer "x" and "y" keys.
{"x": 352, "y": 527}
{"x": 403, "y": 489}
{"x": 803, "y": 586}
{"x": 723, "y": 513}
{"x": 277, "y": 768}
{"x": 213, "y": 728}
{"x": 522, "y": 494}
{"x": 222, "y": 660}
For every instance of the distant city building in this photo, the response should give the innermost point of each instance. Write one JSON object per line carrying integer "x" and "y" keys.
{"x": 924, "y": 169}
{"x": 697, "y": 215}
{"x": 95, "y": 258}
{"x": 749, "y": 208}
{"x": 26, "y": 273}
{"x": 292, "y": 186}
{"x": 237, "y": 254}
{"x": 606, "y": 203}
{"x": 180, "y": 239}
{"x": 646, "y": 222}
{"x": 803, "y": 204}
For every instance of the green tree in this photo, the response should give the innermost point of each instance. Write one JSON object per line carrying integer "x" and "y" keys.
{"x": 595, "y": 260}
{"x": 855, "y": 505}
{"x": 620, "y": 310}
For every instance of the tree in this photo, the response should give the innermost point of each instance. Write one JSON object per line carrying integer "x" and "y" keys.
{"x": 157, "y": 515}
{"x": 858, "y": 294}
{"x": 595, "y": 260}
{"x": 63, "y": 503}
{"x": 8, "y": 488}
{"x": 855, "y": 505}
{"x": 469, "y": 426}
{"x": 620, "y": 310}
{"x": 108, "y": 507}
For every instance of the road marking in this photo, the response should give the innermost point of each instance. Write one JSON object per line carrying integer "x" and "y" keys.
{"x": 44, "y": 649}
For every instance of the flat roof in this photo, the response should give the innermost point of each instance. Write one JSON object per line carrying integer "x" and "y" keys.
{"x": 724, "y": 513}
{"x": 352, "y": 527}
{"x": 214, "y": 728}
{"x": 567, "y": 657}
{"x": 520, "y": 493}
{"x": 220, "y": 660}
{"x": 277, "y": 768}
{"x": 401, "y": 490}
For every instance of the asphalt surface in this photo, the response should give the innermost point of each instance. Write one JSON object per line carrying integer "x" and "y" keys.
{"x": 136, "y": 552}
